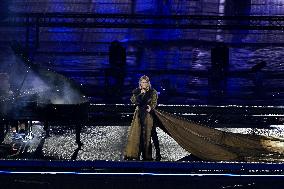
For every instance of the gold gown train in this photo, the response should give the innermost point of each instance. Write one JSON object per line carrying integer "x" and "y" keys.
{"x": 209, "y": 143}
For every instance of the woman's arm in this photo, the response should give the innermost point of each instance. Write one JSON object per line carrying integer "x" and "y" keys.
{"x": 154, "y": 99}
{"x": 135, "y": 96}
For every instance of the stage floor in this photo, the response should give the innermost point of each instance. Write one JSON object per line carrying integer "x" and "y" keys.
{"x": 100, "y": 143}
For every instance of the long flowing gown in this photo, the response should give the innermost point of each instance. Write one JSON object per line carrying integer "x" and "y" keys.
{"x": 211, "y": 144}
{"x": 139, "y": 137}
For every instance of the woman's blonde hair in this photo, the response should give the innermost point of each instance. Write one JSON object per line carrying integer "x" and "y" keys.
{"x": 144, "y": 77}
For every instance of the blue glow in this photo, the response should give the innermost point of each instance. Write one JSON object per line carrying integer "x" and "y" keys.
{"x": 138, "y": 174}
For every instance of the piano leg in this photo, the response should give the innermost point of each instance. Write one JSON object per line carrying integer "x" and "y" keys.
{"x": 46, "y": 129}
{"x": 78, "y": 129}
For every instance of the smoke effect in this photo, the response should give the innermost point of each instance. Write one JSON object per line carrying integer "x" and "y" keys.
{"x": 33, "y": 85}
{"x": 60, "y": 90}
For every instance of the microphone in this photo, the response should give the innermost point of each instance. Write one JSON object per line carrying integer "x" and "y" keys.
{"x": 143, "y": 90}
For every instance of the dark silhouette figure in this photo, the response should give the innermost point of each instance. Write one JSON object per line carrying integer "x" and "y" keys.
{"x": 115, "y": 74}
{"x": 258, "y": 77}
{"x": 217, "y": 80}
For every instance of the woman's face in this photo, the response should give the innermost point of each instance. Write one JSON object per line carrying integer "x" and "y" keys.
{"x": 144, "y": 84}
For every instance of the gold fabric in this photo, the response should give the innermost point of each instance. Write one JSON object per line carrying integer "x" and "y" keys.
{"x": 202, "y": 141}
{"x": 134, "y": 133}
{"x": 212, "y": 144}
{"x": 133, "y": 142}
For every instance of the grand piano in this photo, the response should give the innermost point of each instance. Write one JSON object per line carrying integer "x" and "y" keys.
{"x": 30, "y": 93}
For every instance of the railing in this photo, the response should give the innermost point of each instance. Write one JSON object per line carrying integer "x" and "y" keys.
{"x": 33, "y": 22}
{"x": 87, "y": 20}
